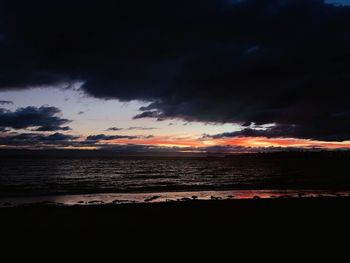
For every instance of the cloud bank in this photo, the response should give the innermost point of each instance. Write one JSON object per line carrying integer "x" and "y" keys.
{"x": 44, "y": 118}
{"x": 6, "y": 102}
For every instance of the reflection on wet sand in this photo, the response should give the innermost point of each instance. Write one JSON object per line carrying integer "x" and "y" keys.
{"x": 121, "y": 198}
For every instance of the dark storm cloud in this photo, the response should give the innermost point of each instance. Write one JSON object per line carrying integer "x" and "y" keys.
{"x": 285, "y": 131}
{"x": 149, "y": 114}
{"x": 53, "y": 128}
{"x": 34, "y": 140}
{"x": 104, "y": 137}
{"x": 270, "y": 132}
{"x": 248, "y": 132}
{"x": 43, "y": 118}
{"x": 274, "y": 61}
{"x": 6, "y": 102}
{"x": 60, "y": 137}
{"x": 37, "y": 140}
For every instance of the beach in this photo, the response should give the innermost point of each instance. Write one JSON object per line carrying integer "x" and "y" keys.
{"x": 249, "y": 221}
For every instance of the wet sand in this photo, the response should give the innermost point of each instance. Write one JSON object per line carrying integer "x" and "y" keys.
{"x": 122, "y": 198}
{"x": 254, "y": 222}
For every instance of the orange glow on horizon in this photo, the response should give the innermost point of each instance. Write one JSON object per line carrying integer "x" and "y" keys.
{"x": 162, "y": 141}
{"x": 249, "y": 142}
{"x": 281, "y": 142}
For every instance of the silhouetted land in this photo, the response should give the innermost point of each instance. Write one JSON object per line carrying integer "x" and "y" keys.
{"x": 72, "y": 153}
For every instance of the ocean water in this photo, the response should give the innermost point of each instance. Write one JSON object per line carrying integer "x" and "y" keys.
{"x": 38, "y": 176}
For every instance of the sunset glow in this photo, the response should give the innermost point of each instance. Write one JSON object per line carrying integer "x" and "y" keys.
{"x": 196, "y": 144}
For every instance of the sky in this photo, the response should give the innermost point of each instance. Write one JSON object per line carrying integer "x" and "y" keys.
{"x": 194, "y": 76}
{"x": 338, "y": 2}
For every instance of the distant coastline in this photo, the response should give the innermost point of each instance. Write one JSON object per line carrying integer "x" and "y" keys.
{"x": 105, "y": 153}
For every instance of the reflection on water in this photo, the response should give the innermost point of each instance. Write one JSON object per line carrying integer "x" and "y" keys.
{"x": 57, "y": 176}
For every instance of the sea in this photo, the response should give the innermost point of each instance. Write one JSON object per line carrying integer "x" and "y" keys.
{"x": 77, "y": 180}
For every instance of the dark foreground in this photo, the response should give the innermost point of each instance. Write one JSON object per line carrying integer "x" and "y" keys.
{"x": 260, "y": 223}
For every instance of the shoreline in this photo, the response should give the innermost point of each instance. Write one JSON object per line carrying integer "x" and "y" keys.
{"x": 165, "y": 197}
